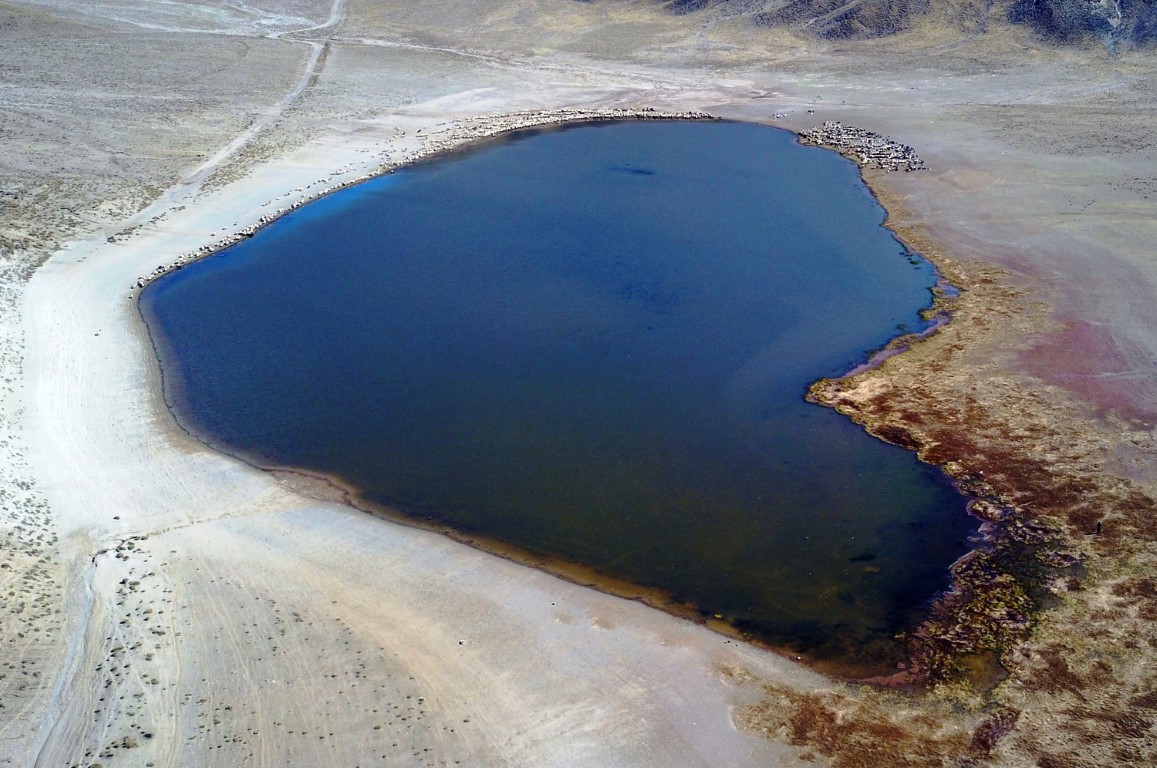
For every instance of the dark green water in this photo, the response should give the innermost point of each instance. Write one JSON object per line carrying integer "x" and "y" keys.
{"x": 594, "y": 343}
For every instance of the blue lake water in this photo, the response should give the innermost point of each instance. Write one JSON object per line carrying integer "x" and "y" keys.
{"x": 593, "y": 344}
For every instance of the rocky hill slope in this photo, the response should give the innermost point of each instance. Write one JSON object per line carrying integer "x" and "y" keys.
{"x": 1114, "y": 23}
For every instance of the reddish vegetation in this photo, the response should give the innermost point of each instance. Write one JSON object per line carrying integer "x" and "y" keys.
{"x": 856, "y": 733}
{"x": 1085, "y": 360}
{"x": 990, "y": 731}
{"x": 1011, "y": 448}
{"x": 1063, "y": 525}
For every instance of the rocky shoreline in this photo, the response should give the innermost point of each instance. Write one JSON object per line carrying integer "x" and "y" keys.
{"x": 864, "y": 147}
{"x": 431, "y": 144}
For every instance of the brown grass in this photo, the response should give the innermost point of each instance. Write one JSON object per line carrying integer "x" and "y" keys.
{"x": 1064, "y": 528}
{"x": 866, "y": 730}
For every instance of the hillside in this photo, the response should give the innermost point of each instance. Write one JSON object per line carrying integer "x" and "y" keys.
{"x": 1110, "y": 22}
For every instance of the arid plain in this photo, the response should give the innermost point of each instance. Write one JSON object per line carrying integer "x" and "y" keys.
{"x": 163, "y": 605}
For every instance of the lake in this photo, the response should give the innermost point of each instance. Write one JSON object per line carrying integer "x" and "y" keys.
{"x": 592, "y": 344}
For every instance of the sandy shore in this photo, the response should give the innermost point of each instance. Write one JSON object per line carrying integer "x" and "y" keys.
{"x": 169, "y": 606}
{"x": 444, "y": 138}
{"x": 223, "y": 615}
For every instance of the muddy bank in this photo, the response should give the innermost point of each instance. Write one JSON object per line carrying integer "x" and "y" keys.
{"x": 1051, "y": 619}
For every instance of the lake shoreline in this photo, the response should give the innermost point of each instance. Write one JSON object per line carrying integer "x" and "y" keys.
{"x": 390, "y": 612}
{"x": 460, "y": 136}
{"x": 1024, "y": 560}
{"x": 472, "y": 136}
{"x": 165, "y": 588}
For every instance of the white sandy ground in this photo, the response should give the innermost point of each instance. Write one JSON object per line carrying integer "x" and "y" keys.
{"x": 248, "y": 625}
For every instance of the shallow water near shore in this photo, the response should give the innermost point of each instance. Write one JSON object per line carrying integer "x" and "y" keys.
{"x": 593, "y": 344}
